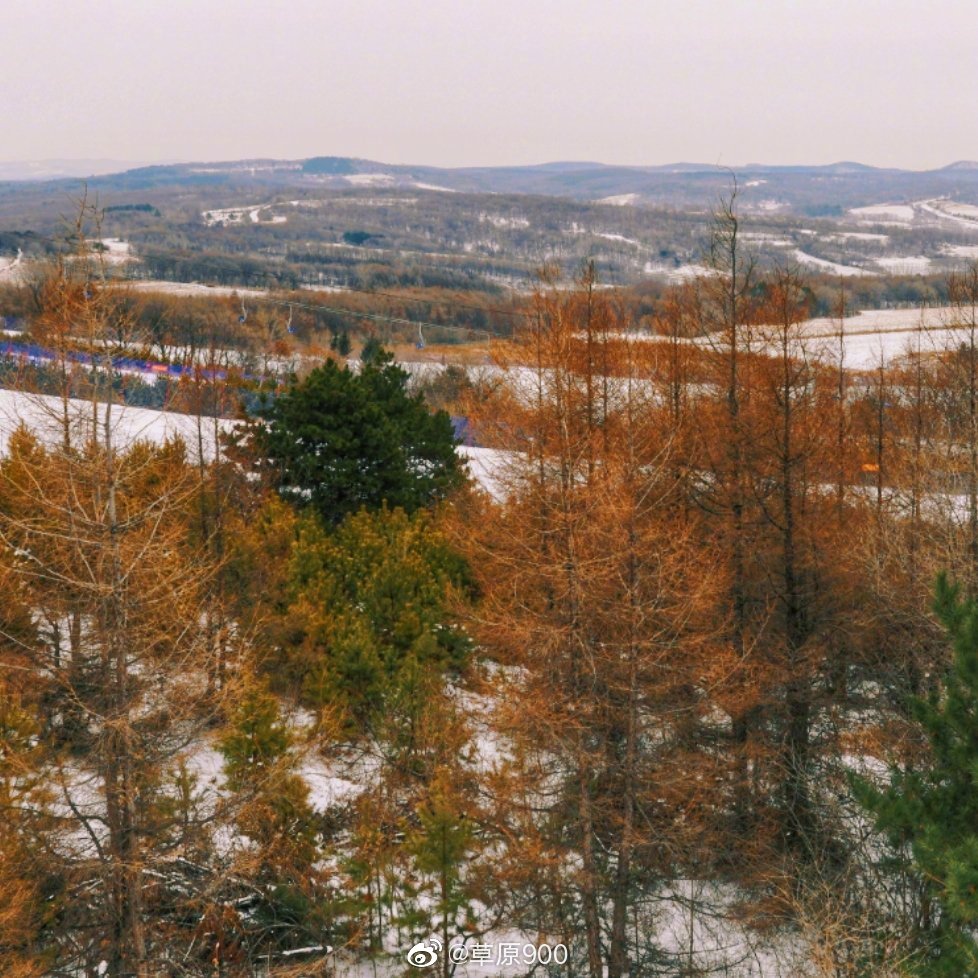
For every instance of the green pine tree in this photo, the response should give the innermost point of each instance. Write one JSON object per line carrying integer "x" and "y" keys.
{"x": 372, "y": 602}
{"x": 340, "y": 343}
{"x": 929, "y": 812}
{"x": 440, "y": 848}
{"x": 371, "y": 350}
{"x": 340, "y": 440}
{"x": 258, "y": 765}
{"x": 256, "y": 740}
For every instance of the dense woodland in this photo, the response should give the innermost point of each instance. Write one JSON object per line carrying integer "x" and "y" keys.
{"x": 672, "y": 688}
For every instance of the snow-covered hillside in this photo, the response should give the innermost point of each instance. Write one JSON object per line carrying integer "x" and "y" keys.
{"x": 45, "y": 415}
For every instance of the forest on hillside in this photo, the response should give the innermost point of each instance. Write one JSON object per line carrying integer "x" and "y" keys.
{"x": 283, "y": 228}
{"x": 687, "y": 686}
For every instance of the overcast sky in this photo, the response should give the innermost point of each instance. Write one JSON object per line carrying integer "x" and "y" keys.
{"x": 886, "y": 82}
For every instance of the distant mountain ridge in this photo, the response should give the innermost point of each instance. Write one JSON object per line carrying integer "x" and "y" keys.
{"x": 815, "y": 189}
{"x": 963, "y": 165}
{"x": 53, "y": 169}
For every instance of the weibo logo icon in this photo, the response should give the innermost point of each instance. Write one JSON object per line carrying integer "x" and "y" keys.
{"x": 424, "y": 954}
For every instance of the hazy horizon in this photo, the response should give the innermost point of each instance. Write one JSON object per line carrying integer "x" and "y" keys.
{"x": 104, "y": 163}
{"x": 887, "y": 83}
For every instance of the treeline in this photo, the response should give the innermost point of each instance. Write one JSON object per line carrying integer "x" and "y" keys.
{"x": 335, "y": 267}
{"x": 183, "y": 328}
{"x": 823, "y": 294}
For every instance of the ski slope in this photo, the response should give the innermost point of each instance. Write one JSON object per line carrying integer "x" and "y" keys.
{"x": 45, "y": 416}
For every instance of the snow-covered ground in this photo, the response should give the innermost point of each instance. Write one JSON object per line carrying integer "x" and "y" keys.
{"x": 369, "y": 179}
{"x": 857, "y": 236}
{"x": 502, "y": 221}
{"x": 909, "y": 265}
{"x": 896, "y": 214}
{"x": 9, "y": 266}
{"x": 864, "y": 351}
{"x": 962, "y": 215}
{"x": 882, "y": 320}
{"x": 228, "y": 215}
{"x": 869, "y": 337}
{"x": 771, "y": 205}
{"x": 677, "y": 273}
{"x": 485, "y": 466}
{"x": 618, "y": 237}
{"x": 765, "y": 238}
{"x": 619, "y": 200}
{"x": 44, "y": 416}
{"x": 193, "y": 288}
{"x": 433, "y": 186}
{"x": 225, "y": 216}
{"x": 803, "y": 258}
{"x": 882, "y": 334}
{"x": 115, "y": 251}
{"x": 960, "y": 210}
{"x": 961, "y": 251}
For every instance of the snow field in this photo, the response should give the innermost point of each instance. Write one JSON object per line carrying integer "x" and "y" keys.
{"x": 501, "y": 221}
{"x": 803, "y": 258}
{"x": 680, "y": 273}
{"x": 433, "y": 186}
{"x": 618, "y": 237}
{"x": 961, "y": 251}
{"x": 369, "y": 179}
{"x": 115, "y": 251}
{"x": 192, "y": 288}
{"x": 857, "y": 236}
{"x": 226, "y": 216}
{"x": 880, "y": 213}
{"x": 10, "y": 268}
{"x": 619, "y": 200}
{"x": 911, "y": 265}
{"x": 44, "y": 416}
